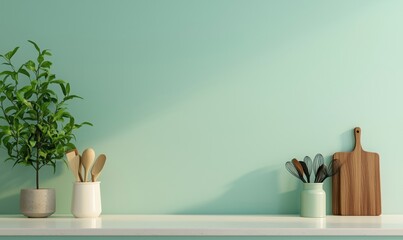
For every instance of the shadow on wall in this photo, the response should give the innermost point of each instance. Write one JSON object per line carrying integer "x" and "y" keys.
{"x": 12, "y": 179}
{"x": 257, "y": 192}
{"x": 347, "y": 141}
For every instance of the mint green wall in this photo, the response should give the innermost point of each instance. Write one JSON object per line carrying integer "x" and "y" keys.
{"x": 198, "y": 104}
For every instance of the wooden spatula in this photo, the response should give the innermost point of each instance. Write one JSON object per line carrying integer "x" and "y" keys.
{"x": 74, "y": 163}
{"x": 70, "y": 154}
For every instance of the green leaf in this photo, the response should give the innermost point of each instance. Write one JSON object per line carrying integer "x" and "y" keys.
{"x": 46, "y": 64}
{"x": 59, "y": 81}
{"x": 14, "y": 76}
{"x": 70, "y": 146}
{"x": 82, "y": 124}
{"x": 50, "y": 92}
{"x": 58, "y": 115}
{"x": 6, "y": 130}
{"x": 34, "y": 83}
{"x": 63, "y": 89}
{"x": 23, "y": 71}
{"x": 35, "y": 45}
{"x": 21, "y": 98}
{"x": 20, "y": 113}
{"x": 5, "y": 78}
{"x": 67, "y": 89}
{"x": 10, "y": 108}
{"x": 40, "y": 58}
{"x": 42, "y": 153}
{"x": 46, "y": 52}
{"x": 9, "y": 73}
{"x": 10, "y": 54}
{"x": 51, "y": 77}
{"x": 69, "y": 97}
{"x": 9, "y": 92}
{"x": 32, "y": 143}
{"x": 28, "y": 94}
{"x": 67, "y": 115}
{"x": 30, "y": 65}
{"x": 44, "y": 74}
{"x": 25, "y": 89}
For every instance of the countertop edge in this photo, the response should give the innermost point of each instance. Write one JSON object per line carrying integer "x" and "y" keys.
{"x": 202, "y": 225}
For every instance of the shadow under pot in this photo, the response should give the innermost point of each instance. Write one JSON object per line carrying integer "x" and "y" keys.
{"x": 38, "y": 203}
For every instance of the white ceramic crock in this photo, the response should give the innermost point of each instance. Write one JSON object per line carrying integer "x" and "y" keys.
{"x": 313, "y": 200}
{"x": 86, "y": 202}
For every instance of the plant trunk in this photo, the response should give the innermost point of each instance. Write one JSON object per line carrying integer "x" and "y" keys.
{"x": 38, "y": 146}
{"x": 37, "y": 168}
{"x": 37, "y": 174}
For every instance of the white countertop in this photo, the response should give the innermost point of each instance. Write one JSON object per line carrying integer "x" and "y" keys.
{"x": 202, "y": 225}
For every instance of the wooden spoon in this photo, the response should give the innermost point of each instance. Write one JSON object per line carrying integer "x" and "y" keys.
{"x": 97, "y": 168}
{"x": 87, "y": 160}
{"x": 73, "y": 165}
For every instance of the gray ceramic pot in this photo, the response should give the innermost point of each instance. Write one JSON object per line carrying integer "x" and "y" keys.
{"x": 38, "y": 203}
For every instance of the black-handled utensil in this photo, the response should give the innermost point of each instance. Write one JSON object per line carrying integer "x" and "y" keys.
{"x": 306, "y": 171}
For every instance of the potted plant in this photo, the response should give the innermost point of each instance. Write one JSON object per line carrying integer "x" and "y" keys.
{"x": 36, "y": 127}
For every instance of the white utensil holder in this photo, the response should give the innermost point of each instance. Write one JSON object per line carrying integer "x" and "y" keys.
{"x": 86, "y": 202}
{"x": 313, "y": 200}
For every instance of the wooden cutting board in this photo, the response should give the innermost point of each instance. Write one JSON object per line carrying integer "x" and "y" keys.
{"x": 356, "y": 189}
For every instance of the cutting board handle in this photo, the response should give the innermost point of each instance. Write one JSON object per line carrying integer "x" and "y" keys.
{"x": 357, "y": 134}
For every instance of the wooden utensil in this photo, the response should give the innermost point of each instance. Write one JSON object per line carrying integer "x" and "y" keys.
{"x": 97, "y": 168}
{"x": 80, "y": 169}
{"x": 73, "y": 163}
{"x": 70, "y": 154}
{"x": 306, "y": 171}
{"x": 299, "y": 168}
{"x": 356, "y": 189}
{"x": 87, "y": 160}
